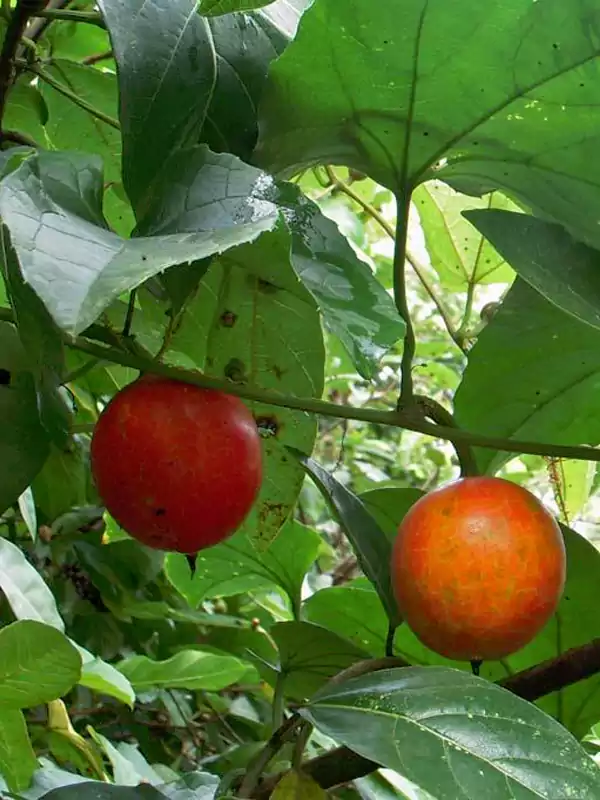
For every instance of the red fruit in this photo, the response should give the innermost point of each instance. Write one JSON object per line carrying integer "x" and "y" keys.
{"x": 478, "y": 568}
{"x": 178, "y": 467}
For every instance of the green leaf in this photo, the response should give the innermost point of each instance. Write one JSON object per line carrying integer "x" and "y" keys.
{"x": 103, "y": 678}
{"x": 460, "y": 256}
{"x": 372, "y": 547}
{"x": 17, "y": 759}
{"x": 23, "y": 440}
{"x": 575, "y": 479}
{"x": 561, "y": 269}
{"x": 451, "y": 733}
{"x": 37, "y": 664}
{"x": 234, "y": 566}
{"x": 27, "y": 594}
{"x": 495, "y": 95}
{"x": 201, "y": 190}
{"x": 192, "y": 786}
{"x": 94, "y": 790}
{"x": 213, "y": 8}
{"x": 167, "y": 73}
{"x": 62, "y": 482}
{"x": 530, "y": 368}
{"x": 388, "y": 506}
{"x": 51, "y": 204}
{"x": 188, "y": 669}
{"x": 28, "y": 512}
{"x": 42, "y": 342}
{"x": 26, "y": 111}
{"x": 310, "y": 655}
{"x": 354, "y": 612}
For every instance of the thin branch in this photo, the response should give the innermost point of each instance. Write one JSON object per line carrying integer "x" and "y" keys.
{"x": 95, "y": 58}
{"x": 129, "y": 315}
{"x": 437, "y": 413}
{"x": 272, "y": 747}
{"x": 400, "y": 297}
{"x": 37, "y": 25}
{"x": 397, "y": 419}
{"x": 66, "y": 92}
{"x": 88, "y": 17}
{"x": 343, "y": 765}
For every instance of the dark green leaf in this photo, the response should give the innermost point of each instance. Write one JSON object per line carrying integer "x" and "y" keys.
{"x": 42, "y": 342}
{"x": 37, "y": 664}
{"x": 201, "y": 190}
{"x": 235, "y": 566}
{"x": 94, "y": 790}
{"x": 531, "y": 368}
{"x": 17, "y": 759}
{"x": 564, "y": 271}
{"x": 52, "y": 206}
{"x": 23, "y": 439}
{"x": 25, "y": 590}
{"x": 213, "y": 8}
{"x": 188, "y": 669}
{"x": 310, "y": 655}
{"x": 494, "y": 95}
{"x": 369, "y": 542}
{"x": 453, "y": 734}
{"x": 388, "y": 507}
{"x": 62, "y": 482}
{"x": 26, "y": 111}
{"x": 167, "y": 73}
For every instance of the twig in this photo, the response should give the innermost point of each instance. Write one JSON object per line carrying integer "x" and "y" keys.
{"x": 66, "y": 92}
{"x": 15, "y": 30}
{"x": 343, "y": 765}
{"x": 401, "y": 299}
{"x": 272, "y": 747}
{"x": 88, "y": 17}
{"x": 37, "y": 25}
{"x": 96, "y": 57}
{"x": 129, "y": 315}
{"x": 396, "y": 419}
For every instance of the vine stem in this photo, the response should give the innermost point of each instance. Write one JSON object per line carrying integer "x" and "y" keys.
{"x": 401, "y": 300}
{"x": 399, "y": 419}
{"x": 89, "y": 17}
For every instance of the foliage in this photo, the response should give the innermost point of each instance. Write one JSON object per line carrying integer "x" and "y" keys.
{"x": 380, "y": 231}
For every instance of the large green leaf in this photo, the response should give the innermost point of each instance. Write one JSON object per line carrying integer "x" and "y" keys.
{"x": 456, "y": 735}
{"x": 533, "y": 374}
{"x": 24, "y": 588}
{"x": 23, "y": 440}
{"x": 234, "y": 566}
{"x": 166, "y": 67}
{"x": 460, "y": 255}
{"x": 17, "y": 759}
{"x": 370, "y": 543}
{"x": 310, "y": 655}
{"x": 52, "y": 207}
{"x": 563, "y": 270}
{"x": 103, "y": 678}
{"x": 201, "y": 190}
{"x": 188, "y": 669}
{"x": 37, "y": 664}
{"x": 494, "y": 95}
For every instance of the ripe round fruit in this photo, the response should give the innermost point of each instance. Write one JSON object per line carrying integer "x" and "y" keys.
{"x": 178, "y": 467}
{"x": 478, "y": 568}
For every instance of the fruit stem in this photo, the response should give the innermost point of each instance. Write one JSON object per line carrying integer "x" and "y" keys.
{"x": 438, "y": 414}
{"x": 389, "y": 641}
{"x": 476, "y": 666}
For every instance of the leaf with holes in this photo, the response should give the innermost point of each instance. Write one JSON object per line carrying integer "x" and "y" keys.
{"x": 483, "y": 96}
{"x": 460, "y": 256}
{"x": 52, "y": 206}
{"x": 453, "y": 734}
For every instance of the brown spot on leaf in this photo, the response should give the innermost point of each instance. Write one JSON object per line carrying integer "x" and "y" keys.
{"x": 268, "y": 424}
{"x": 228, "y": 319}
{"x": 235, "y": 370}
{"x": 278, "y": 372}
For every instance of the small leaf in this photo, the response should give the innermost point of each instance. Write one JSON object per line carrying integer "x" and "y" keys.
{"x": 453, "y": 734}
{"x": 37, "y": 664}
{"x": 310, "y": 655}
{"x": 23, "y": 440}
{"x": 52, "y": 206}
{"x": 26, "y": 111}
{"x": 103, "y": 678}
{"x": 298, "y": 786}
{"x": 167, "y": 74}
{"x": 27, "y": 509}
{"x": 188, "y": 669}
{"x": 17, "y": 759}
{"x": 530, "y": 368}
{"x": 24, "y": 588}
{"x": 575, "y": 479}
{"x": 460, "y": 255}
{"x": 561, "y": 269}
{"x": 235, "y": 566}
{"x": 371, "y": 545}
